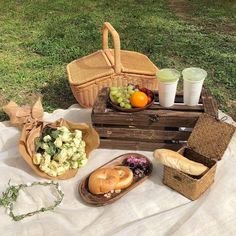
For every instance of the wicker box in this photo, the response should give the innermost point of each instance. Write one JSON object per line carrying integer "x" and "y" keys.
{"x": 109, "y": 67}
{"x": 206, "y": 145}
{"x": 155, "y": 127}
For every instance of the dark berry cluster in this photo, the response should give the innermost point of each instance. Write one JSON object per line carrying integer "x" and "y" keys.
{"x": 140, "y": 166}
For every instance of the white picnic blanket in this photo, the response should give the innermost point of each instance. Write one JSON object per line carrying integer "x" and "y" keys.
{"x": 150, "y": 209}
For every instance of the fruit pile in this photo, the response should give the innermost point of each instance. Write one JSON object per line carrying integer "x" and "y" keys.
{"x": 131, "y": 96}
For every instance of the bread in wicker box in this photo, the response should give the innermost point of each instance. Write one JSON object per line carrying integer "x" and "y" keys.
{"x": 206, "y": 145}
{"x": 191, "y": 187}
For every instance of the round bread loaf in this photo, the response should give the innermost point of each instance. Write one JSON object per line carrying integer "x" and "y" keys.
{"x": 103, "y": 180}
{"x": 126, "y": 177}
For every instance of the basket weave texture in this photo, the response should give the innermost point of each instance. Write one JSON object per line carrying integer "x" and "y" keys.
{"x": 207, "y": 144}
{"x": 190, "y": 187}
{"x": 211, "y": 137}
{"x": 109, "y": 67}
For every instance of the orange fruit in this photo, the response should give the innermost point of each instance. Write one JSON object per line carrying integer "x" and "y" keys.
{"x": 139, "y": 99}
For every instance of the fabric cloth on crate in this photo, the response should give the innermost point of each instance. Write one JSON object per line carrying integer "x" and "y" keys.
{"x": 150, "y": 209}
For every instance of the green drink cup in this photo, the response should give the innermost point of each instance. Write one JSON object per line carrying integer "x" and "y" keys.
{"x": 167, "y": 85}
{"x": 193, "y": 80}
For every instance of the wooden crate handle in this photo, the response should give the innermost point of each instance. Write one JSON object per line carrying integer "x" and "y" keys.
{"x": 154, "y": 118}
{"x": 107, "y": 27}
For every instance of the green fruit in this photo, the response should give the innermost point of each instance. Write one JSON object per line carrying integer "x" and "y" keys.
{"x": 119, "y": 100}
{"x": 131, "y": 92}
{"x": 113, "y": 99}
{"x": 114, "y": 92}
{"x": 128, "y": 106}
{"x": 122, "y": 104}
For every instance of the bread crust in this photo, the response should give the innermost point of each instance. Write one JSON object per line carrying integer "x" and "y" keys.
{"x": 126, "y": 177}
{"x": 177, "y": 161}
{"x": 103, "y": 180}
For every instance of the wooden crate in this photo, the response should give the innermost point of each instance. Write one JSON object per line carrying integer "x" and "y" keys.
{"x": 155, "y": 127}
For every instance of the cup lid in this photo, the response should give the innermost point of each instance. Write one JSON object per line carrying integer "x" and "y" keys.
{"x": 168, "y": 75}
{"x": 194, "y": 74}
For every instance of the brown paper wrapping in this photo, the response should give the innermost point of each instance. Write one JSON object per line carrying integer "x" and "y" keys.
{"x": 30, "y": 119}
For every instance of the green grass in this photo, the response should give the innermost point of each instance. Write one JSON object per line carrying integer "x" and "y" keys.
{"x": 39, "y": 38}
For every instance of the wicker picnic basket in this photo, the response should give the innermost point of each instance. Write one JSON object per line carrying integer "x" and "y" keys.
{"x": 109, "y": 67}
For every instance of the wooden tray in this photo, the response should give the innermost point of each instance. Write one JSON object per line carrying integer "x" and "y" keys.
{"x": 100, "y": 199}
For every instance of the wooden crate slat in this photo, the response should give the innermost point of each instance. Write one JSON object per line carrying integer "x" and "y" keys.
{"x": 160, "y": 113}
{"x": 136, "y": 145}
{"x": 123, "y": 119}
{"x": 141, "y": 134}
{"x": 179, "y": 107}
{"x": 170, "y": 113}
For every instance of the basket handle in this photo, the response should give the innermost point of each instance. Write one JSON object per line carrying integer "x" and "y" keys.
{"x": 107, "y": 27}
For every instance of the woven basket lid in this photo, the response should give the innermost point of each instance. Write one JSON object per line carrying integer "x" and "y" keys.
{"x": 108, "y": 61}
{"x": 134, "y": 62}
{"x": 101, "y": 64}
{"x": 210, "y": 137}
{"x": 89, "y": 68}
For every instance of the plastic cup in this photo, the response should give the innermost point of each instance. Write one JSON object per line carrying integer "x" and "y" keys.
{"x": 193, "y": 80}
{"x": 167, "y": 85}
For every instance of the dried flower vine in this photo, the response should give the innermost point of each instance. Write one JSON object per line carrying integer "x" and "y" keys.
{"x": 10, "y": 196}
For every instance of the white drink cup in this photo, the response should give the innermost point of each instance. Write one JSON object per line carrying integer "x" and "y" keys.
{"x": 193, "y": 80}
{"x": 167, "y": 85}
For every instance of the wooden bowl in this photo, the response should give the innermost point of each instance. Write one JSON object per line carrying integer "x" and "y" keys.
{"x": 132, "y": 109}
{"x": 100, "y": 199}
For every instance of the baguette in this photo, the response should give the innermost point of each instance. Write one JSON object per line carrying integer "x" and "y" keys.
{"x": 177, "y": 161}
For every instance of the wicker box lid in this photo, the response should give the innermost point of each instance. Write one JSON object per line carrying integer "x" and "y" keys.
{"x": 210, "y": 137}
